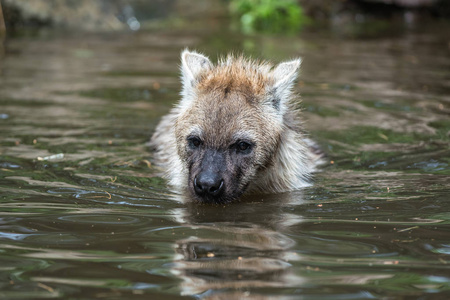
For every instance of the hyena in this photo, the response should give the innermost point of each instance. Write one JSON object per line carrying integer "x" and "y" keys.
{"x": 236, "y": 129}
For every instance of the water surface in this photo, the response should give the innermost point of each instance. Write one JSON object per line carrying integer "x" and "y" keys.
{"x": 84, "y": 214}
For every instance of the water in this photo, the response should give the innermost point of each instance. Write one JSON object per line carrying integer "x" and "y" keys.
{"x": 83, "y": 213}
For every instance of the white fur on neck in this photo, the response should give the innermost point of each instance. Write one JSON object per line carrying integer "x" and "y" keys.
{"x": 291, "y": 167}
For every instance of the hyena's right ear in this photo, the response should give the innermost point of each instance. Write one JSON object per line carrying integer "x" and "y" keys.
{"x": 192, "y": 65}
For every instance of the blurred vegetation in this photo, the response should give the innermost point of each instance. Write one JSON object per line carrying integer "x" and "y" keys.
{"x": 350, "y": 17}
{"x": 268, "y": 15}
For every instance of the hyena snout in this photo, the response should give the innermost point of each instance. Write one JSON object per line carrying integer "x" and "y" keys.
{"x": 208, "y": 180}
{"x": 208, "y": 183}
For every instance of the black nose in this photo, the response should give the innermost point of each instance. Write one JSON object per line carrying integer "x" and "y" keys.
{"x": 208, "y": 184}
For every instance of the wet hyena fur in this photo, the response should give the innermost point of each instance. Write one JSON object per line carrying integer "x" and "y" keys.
{"x": 235, "y": 130}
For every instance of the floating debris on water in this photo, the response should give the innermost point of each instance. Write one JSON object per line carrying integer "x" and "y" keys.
{"x": 51, "y": 157}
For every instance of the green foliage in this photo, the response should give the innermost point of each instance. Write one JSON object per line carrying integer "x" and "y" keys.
{"x": 268, "y": 15}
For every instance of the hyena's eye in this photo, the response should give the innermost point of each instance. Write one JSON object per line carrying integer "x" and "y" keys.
{"x": 243, "y": 147}
{"x": 194, "y": 142}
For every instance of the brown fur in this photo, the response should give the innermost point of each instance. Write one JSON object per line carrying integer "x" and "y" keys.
{"x": 239, "y": 75}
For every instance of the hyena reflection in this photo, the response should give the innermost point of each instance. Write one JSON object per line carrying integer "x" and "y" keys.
{"x": 236, "y": 129}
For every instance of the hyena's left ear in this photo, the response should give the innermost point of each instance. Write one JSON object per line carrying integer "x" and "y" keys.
{"x": 192, "y": 65}
{"x": 284, "y": 75}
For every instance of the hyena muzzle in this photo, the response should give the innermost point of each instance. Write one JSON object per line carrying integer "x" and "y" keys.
{"x": 235, "y": 130}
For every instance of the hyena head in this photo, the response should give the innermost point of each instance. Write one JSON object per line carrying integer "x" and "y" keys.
{"x": 230, "y": 120}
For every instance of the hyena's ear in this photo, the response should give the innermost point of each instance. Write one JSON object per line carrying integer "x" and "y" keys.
{"x": 284, "y": 75}
{"x": 192, "y": 65}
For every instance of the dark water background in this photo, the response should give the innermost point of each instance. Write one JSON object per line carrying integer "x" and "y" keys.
{"x": 84, "y": 215}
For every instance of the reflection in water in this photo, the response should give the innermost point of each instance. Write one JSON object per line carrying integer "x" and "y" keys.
{"x": 239, "y": 246}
